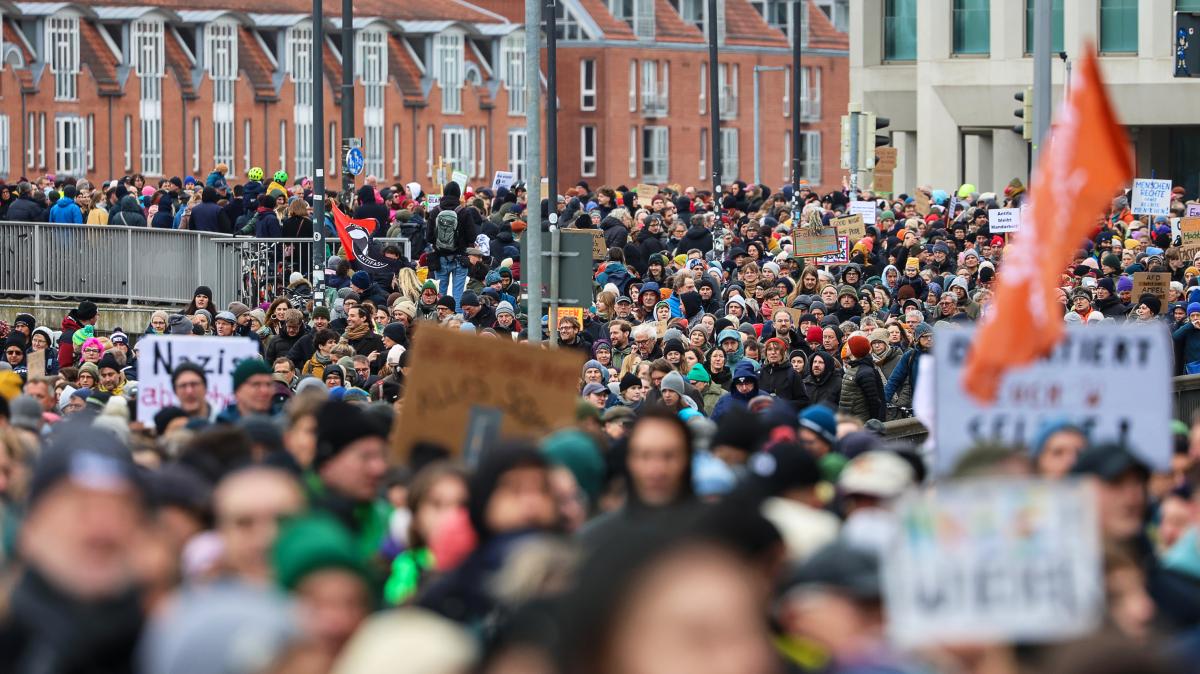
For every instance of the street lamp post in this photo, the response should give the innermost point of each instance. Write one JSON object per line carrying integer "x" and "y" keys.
{"x": 757, "y": 130}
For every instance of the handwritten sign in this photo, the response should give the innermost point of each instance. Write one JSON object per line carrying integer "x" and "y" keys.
{"x": 806, "y": 244}
{"x": 922, "y": 202}
{"x": 432, "y": 200}
{"x": 995, "y": 560}
{"x": 1074, "y": 383}
{"x": 1151, "y": 197}
{"x": 159, "y": 355}
{"x": 866, "y": 209}
{"x": 599, "y": 244}
{"x": 840, "y": 257}
{"x": 465, "y": 393}
{"x": 503, "y": 179}
{"x": 646, "y": 194}
{"x": 885, "y": 159}
{"x": 1189, "y": 232}
{"x": 883, "y": 182}
{"x": 850, "y": 226}
{"x": 1004, "y": 220}
{"x": 460, "y": 178}
{"x": 1193, "y": 210}
{"x": 1152, "y": 282}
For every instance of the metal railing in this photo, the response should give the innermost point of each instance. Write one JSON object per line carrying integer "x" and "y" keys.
{"x": 110, "y": 263}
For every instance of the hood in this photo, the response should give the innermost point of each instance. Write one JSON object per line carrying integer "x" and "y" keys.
{"x": 610, "y": 223}
{"x": 129, "y": 203}
{"x": 63, "y": 202}
{"x": 829, "y": 367}
{"x": 899, "y": 276}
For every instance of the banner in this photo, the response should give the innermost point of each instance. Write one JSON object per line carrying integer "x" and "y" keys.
{"x": 994, "y": 561}
{"x": 465, "y": 392}
{"x": 503, "y": 179}
{"x": 1004, "y": 220}
{"x": 864, "y": 208}
{"x": 1114, "y": 381}
{"x": 158, "y": 356}
{"x": 1151, "y": 197}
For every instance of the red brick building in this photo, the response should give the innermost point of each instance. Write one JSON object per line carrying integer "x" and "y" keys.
{"x": 160, "y": 88}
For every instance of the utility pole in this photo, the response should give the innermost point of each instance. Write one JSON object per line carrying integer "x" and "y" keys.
{"x": 552, "y": 105}
{"x": 715, "y": 113}
{"x": 1041, "y": 74}
{"x": 855, "y": 114}
{"x": 318, "y": 151}
{"x": 347, "y": 90}
{"x": 797, "y": 8}
{"x": 532, "y": 268}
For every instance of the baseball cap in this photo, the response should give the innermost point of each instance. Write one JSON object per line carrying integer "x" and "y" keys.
{"x": 877, "y": 473}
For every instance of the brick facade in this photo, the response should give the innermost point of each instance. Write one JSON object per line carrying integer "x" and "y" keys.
{"x": 107, "y": 98}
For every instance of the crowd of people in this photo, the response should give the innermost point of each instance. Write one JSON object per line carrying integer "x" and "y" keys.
{"x": 717, "y": 505}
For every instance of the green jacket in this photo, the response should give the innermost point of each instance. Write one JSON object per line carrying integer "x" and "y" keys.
{"x": 366, "y": 521}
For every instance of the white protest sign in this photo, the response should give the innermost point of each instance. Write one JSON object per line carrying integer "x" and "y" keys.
{"x": 1151, "y": 197}
{"x": 1114, "y": 381}
{"x": 433, "y": 200}
{"x": 460, "y": 178}
{"x": 1004, "y": 220}
{"x": 995, "y": 560}
{"x": 503, "y": 179}
{"x": 864, "y": 208}
{"x": 158, "y": 355}
{"x": 1193, "y": 210}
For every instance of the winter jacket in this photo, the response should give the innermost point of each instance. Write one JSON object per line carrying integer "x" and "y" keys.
{"x": 616, "y": 234}
{"x": 66, "y": 211}
{"x": 781, "y": 381}
{"x": 464, "y": 237}
{"x": 862, "y": 391}
{"x": 696, "y": 237}
{"x": 280, "y": 346}
{"x": 25, "y": 209}
{"x": 66, "y": 345}
{"x": 904, "y": 376}
{"x": 165, "y": 217}
{"x": 209, "y": 217}
{"x": 128, "y": 213}
{"x": 826, "y": 389}
{"x": 369, "y": 207}
{"x": 1189, "y": 338}
{"x": 887, "y": 364}
{"x": 267, "y": 226}
{"x": 1113, "y": 308}
{"x": 735, "y": 398}
{"x": 368, "y": 343}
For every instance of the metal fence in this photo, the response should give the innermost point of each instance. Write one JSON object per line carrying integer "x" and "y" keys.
{"x": 110, "y": 263}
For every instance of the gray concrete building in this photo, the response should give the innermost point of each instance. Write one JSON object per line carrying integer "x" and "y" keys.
{"x": 944, "y": 72}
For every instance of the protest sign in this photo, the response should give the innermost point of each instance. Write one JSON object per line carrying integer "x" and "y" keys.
{"x": 503, "y": 179}
{"x": 460, "y": 178}
{"x": 883, "y": 182}
{"x": 850, "y": 226}
{"x": 1004, "y": 220}
{"x": 432, "y": 201}
{"x": 1193, "y": 210}
{"x": 994, "y": 560}
{"x": 475, "y": 390}
{"x": 1151, "y": 197}
{"x": 1189, "y": 232}
{"x": 646, "y": 194}
{"x": 1114, "y": 381}
{"x": 158, "y": 355}
{"x": 806, "y": 244}
{"x": 885, "y": 159}
{"x": 922, "y": 202}
{"x": 840, "y": 257}
{"x": 599, "y": 244}
{"x": 864, "y": 208}
{"x": 563, "y": 312}
{"x": 1153, "y": 282}
{"x": 35, "y": 365}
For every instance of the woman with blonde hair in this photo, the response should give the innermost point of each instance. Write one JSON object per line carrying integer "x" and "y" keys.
{"x": 409, "y": 284}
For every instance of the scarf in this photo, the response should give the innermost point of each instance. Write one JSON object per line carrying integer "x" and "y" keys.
{"x": 323, "y": 360}
{"x": 357, "y": 333}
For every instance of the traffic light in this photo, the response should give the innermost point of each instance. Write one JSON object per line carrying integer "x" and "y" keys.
{"x": 869, "y": 138}
{"x": 1025, "y": 112}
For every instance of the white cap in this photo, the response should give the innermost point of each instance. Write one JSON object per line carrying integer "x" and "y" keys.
{"x": 877, "y": 473}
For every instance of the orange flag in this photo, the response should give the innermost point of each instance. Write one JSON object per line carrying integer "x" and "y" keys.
{"x": 1080, "y": 169}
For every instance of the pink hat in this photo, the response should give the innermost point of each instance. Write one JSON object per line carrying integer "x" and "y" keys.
{"x": 147, "y": 191}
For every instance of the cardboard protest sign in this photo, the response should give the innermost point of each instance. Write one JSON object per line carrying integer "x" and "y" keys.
{"x": 1151, "y": 197}
{"x": 158, "y": 355}
{"x": 850, "y": 226}
{"x": 885, "y": 159}
{"x": 35, "y": 365}
{"x": 840, "y": 257}
{"x": 922, "y": 202}
{"x": 503, "y": 179}
{"x": 599, "y": 244}
{"x": 883, "y": 182}
{"x": 1004, "y": 220}
{"x": 994, "y": 560}
{"x": 864, "y": 208}
{"x": 646, "y": 194}
{"x": 1193, "y": 210}
{"x": 1112, "y": 380}
{"x": 466, "y": 391}
{"x": 1189, "y": 232}
{"x": 805, "y": 244}
{"x": 562, "y": 312}
{"x": 1154, "y": 282}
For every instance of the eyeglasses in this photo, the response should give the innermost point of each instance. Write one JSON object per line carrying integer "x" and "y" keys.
{"x": 14, "y": 352}
{"x": 91, "y": 349}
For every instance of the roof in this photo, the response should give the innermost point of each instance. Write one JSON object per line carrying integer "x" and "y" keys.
{"x": 745, "y": 26}
{"x": 403, "y": 70}
{"x": 253, "y": 61}
{"x": 99, "y": 59}
{"x": 822, "y": 34}
{"x": 669, "y": 26}
{"x": 612, "y": 27}
{"x": 180, "y": 64}
{"x": 132, "y": 13}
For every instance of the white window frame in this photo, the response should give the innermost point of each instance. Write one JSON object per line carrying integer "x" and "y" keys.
{"x": 429, "y": 150}
{"x": 656, "y": 152}
{"x": 703, "y": 87}
{"x": 567, "y": 24}
{"x": 449, "y": 70}
{"x": 481, "y": 171}
{"x": 643, "y": 19}
{"x": 41, "y": 140}
{"x": 195, "y": 144}
{"x": 633, "y": 152}
{"x": 62, "y": 54}
{"x": 299, "y": 41}
{"x": 283, "y": 153}
{"x": 512, "y": 71}
{"x": 810, "y": 94}
{"x": 787, "y": 155}
{"x": 372, "y": 65}
{"x": 655, "y": 88}
{"x": 517, "y": 152}
{"x": 247, "y": 132}
{"x": 727, "y": 74}
{"x": 148, "y": 53}
{"x": 456, "y": 148}
{"x": 587, "y": 84}
{"x": 30, "y": 140}
{"x": 729, "y": 154}
{"x": 587, "y": 157}
{"x": 810, "y": 161}
{"x": 335, "y": 145}
{"x": 70, "y": 145}
{"x": 90, "y": 143}
{"x": 128, "y": 143}
{"x": 5, "y": 146}
{"x": 787, "y": 90}
{"x": 396, "y": 150}
{"x": 633, "y": 85}
{"x": 221, "y": 57}
{"x": 703, "y": 154}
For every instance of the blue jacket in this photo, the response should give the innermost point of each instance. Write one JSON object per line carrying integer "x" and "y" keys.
{"x": 907, "y": 368}
{"x": 1189, "y": 337}
{"x": 267, "y": 226}
{"x": 734, "y": 398}
{"x": 66, "y": 211}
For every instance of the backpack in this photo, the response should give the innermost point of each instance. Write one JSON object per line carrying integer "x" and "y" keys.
{"x": 446, "y": 232}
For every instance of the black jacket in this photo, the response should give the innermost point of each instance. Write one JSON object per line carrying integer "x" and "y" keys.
{"x": 370, "y": 342}
{"x": 616, "y": 234}
{"x": 209, "y": 217}
{"x": 696, "y": 237}
{"x": 281, "y": 345}
{"x": 25, "y": 209}
{"x": 469, "y": 222}
{"x": 782, "y": 381}
{"x": 368, "y": 207}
